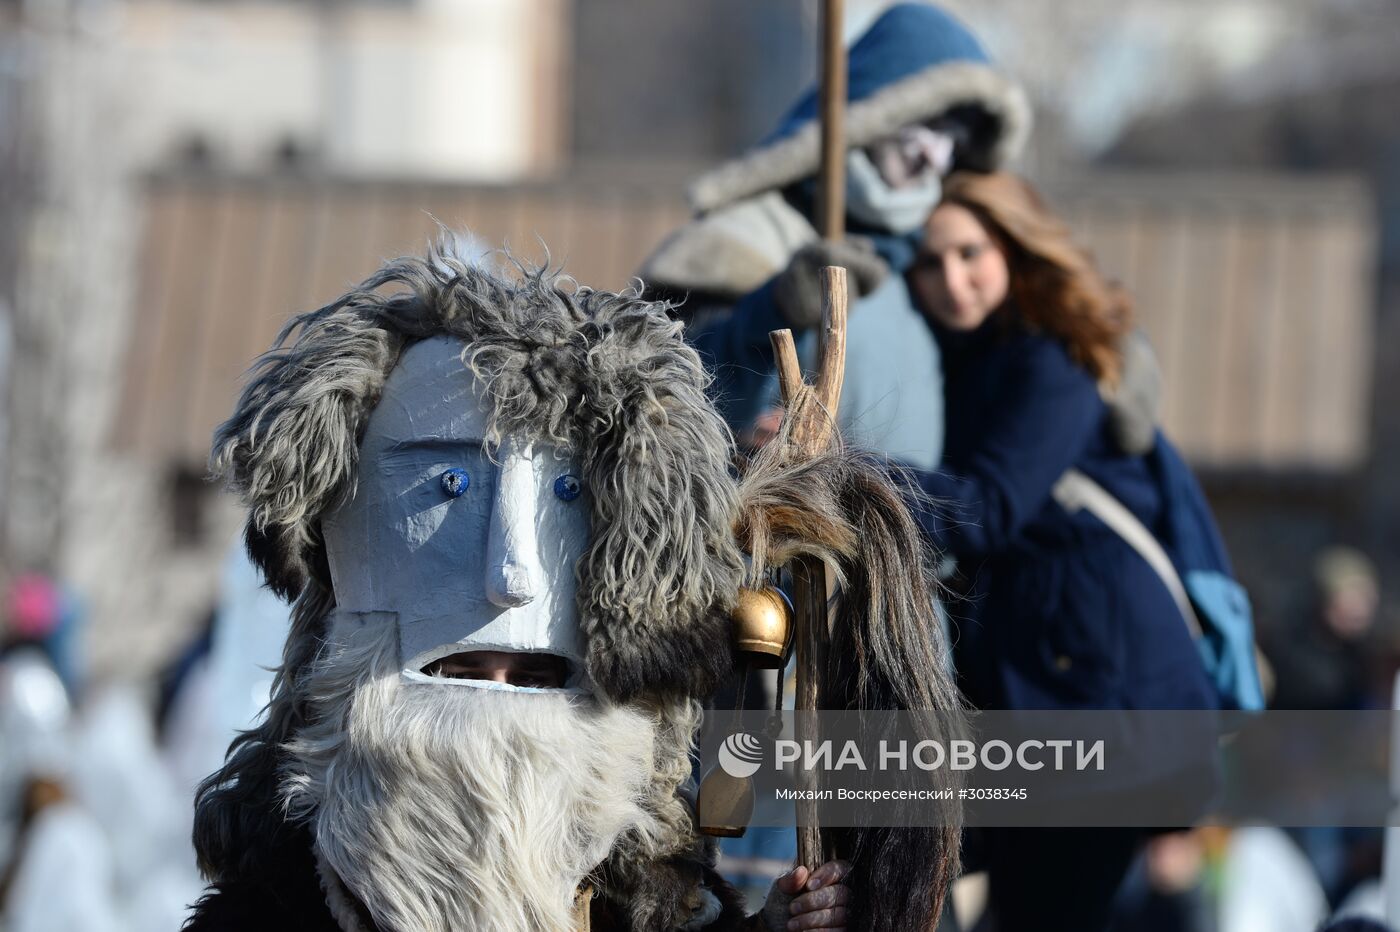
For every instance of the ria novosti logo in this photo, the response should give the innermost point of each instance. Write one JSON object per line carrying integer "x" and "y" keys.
{"x": 741, "y": 755}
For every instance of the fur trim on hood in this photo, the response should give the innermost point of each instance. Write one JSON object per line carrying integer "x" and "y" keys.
{"x": 915, "y": 64}
{"x": 918, "y": 97}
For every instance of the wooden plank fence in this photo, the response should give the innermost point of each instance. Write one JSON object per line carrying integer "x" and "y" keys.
{"x": 1257, "y": 290}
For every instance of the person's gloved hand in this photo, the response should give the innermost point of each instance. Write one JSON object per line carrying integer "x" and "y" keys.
{"x": 803, "y": 899}
{"x": 797, "y": 289}
{"x": 1133, "y": 405}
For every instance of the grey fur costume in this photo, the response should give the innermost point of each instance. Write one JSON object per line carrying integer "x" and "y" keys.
{"x": 608, "y": 378}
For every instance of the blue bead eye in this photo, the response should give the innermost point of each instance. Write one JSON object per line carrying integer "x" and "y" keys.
{"x": 567, "y": 487}
{"x": 455, "y": 482}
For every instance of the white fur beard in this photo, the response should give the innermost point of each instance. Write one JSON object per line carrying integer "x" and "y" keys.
{"x": 453, "y": 808}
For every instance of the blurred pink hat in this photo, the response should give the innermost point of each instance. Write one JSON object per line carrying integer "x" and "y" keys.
{"x": 33, "y": 606}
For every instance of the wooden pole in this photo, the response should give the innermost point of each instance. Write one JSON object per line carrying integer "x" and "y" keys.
{"x": 832, "y": 205}
{"x": 812, "y": 409}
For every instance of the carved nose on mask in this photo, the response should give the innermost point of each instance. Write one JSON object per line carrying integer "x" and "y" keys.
{"x": 512, "y": 552}
{"x": 510, "y": 585}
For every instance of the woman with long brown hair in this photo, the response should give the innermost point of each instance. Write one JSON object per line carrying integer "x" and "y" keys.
{"x": 1061, "y": 612}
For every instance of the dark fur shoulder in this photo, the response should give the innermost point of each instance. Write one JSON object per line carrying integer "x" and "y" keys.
{"x": 284, "y": 897}
{"x": 608, "y": 917}
{"x": 735, "y": 916}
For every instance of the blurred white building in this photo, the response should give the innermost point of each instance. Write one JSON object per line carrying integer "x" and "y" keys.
{"x": 445, "y": 89}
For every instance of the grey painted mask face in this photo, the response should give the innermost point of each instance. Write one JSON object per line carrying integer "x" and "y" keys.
{"x": 472, "y": 549}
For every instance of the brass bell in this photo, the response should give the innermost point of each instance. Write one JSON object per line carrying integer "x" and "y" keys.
{"x": 763, "y": 626}
{"x": 724, "y": 804}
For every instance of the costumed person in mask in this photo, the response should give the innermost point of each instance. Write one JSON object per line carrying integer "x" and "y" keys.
{"x": 507, "y": 515}
{"x": 923, "y": 98}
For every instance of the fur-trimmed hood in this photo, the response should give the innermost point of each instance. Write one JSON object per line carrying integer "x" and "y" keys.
{"x": 915, "y": 63}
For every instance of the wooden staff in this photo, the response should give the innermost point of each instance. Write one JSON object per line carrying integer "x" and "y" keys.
{"x": 812, "y": 409}
{"x": 832, "y": 209}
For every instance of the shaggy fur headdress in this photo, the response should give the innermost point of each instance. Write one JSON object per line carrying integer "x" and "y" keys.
{"x": 603, "y": 377}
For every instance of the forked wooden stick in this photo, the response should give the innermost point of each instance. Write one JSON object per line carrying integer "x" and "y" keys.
{"x": 813, "y": 412}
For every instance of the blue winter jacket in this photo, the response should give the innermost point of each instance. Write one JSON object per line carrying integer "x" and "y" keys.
{"x": 1062, "y": 612}
{"x": 892, "y": 400}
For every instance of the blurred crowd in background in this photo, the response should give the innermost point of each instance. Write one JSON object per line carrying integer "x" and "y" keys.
{"x": 98, "y": 776}
{"x": 177, "y": 177}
